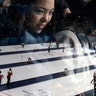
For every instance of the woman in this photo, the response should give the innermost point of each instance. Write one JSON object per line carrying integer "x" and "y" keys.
{"x": 36, "y": 15}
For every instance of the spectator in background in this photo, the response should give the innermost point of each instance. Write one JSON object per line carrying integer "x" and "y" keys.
{"x": 22, "y": 45}
{"x": 94, "y": 82}
{"x": 49, "y": 45}
{"x": 9, "y": 74}
{"x": 91, "y": 10}
{"x": 1, "y": 76}
{"x": 81, "y": 94}
{"x": 91, "y": 4}
{"x": 84, "y": 8}
{"x": 61, "y": 8}
{"x": 6, "y": 3}
{"x": 4, "y": 22}
{"x": 60, "y": 12}
{"x": 76, "y": 5}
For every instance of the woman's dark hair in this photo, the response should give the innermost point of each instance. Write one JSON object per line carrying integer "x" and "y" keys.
{"x": 25, "y": 1}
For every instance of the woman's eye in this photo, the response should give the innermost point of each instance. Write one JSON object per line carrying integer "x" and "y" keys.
{"x": 39, "y": 11}
{"x": 51, "y": 12}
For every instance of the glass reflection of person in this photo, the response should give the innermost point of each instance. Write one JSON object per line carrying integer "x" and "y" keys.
{"x": 36, "y": 15}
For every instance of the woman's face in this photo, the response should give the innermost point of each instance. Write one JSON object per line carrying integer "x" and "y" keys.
{"x": 40, "y": 14}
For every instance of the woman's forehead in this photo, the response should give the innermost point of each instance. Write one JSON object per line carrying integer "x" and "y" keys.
{"x": 43, "y": 1}
{"x": 47, "y": 3}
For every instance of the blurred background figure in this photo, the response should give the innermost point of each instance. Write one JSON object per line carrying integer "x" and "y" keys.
{"x": 60, "y": 12}
{"x": 6, "y": 3}
{"x": 1, "y": 76}
{"x": 9, "y": 74}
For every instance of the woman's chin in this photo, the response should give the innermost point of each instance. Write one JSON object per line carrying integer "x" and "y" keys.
{"x": 38, "y": 31}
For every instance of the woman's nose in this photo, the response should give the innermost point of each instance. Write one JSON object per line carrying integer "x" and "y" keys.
{"x": 46, "y": 18}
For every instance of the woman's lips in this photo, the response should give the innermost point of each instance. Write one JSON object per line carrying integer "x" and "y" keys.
{"x": 42, "y": 26}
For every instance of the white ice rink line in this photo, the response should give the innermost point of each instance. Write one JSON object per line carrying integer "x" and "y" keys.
{"x": 34, "y": 55}
{"x": 13, "y": 48}
{"x": 77, "y": 62}
{"x": 41, "y": 69}
{"x": 57, "y": 87}
{"x": 26, "y": 47}
{"x": 21, "y": 57}
{"x": 64, "y": 86}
